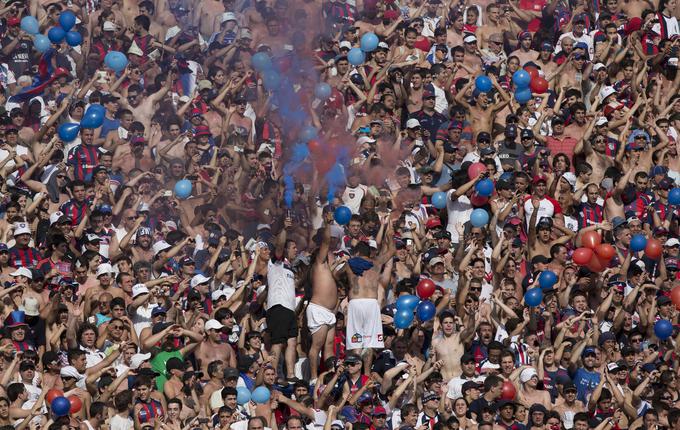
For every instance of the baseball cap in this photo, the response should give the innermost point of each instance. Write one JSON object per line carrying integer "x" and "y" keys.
{"x": 469, "y": 39}
{"x": 198, "y": 280}
{"x": 429, "y": 395}
{"x": 539, "y": 178}
{"x": 672, "y": 242}
{"x": 412, "y": 123}
{"x": 213, "y": 325}
{"x": 483, "y": 137}
{"x": 378, "y": 410}
{"x": 138, "y": 290}
{"x": 109, "y": 26}
{"x": 527, "y": 134}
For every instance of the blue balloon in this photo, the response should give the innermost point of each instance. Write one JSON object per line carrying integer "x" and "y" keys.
{"x": 242, "y": 395}
{"x": 408, "y": 302}
{"x": 369, "y": 42}
{"x": 521, "y": 78}
{"x": 638, "y": 242}
{"x": 523, "y": 95}
{"x": 356, "y": 57}
{"x": 96, "y": 107}
{"x": 674, "y": 196}
{"x": 67, "y": 20}
{"x": 547, "y": 279}
{"x": 479, "y": 217}
{"x": 56, "y": 34}
{"x": 483, "y": 83}
{"x": 271, "y": 80}
{"x": 484, "y": 187}
{"x": 425, "y": 310}
{"x": 116, "y": 61}
{"x": 439, "y": 200}
{"x": 308, "y": 133}
{"x": 342, "y": 215}
{"x": 68, "y": 131}
{"x": 30, "y": 25}
{"x": 322, "y": 91}
{"x": 183, "y": 189}
{"x": 73, "y": 38}
{"x": 260, "y": 395}
{"x": 41, "y": 42}
{"x": 663, "y": 329}
{"x": 60, "y": 406}
{"x": 261, "y": 62}
{"x": 403, "y": 318}
{"x": 533, "y": 297}
{"x": 92, "y": 119}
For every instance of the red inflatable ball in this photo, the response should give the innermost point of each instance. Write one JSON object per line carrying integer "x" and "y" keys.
{"x": 425, "y": 289}
{"x": 591, "y": 239}
{"x": 532, "y": 71}
{"x": 508, "y": 391}
{"x": 314, "y": 146}
{"x": 323, "y": 165}
{"x": 476, "y": 200}
{"x": 653, "y": 249}
{"x": 475, "y": 169}
{"x": 539, "y": 85}
{"x": 76, "y": 404}
{"x": 675, "y": 296}
{"x": 597, "y": 264}
{"x": 52, "y": 394}
{"x": 582, "y": 256}
{"x": 605, "y": 251}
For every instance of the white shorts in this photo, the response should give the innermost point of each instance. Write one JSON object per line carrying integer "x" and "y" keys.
{"x": 318, "y": 316}
{"x": 364, "y": 324}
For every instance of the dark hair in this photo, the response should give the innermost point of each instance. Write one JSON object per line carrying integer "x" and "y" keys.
{"x": 175, "y": 400}
{"x": 14, "y": 390}
{"x": 492, "y": 381}
{"x": 97, "y": 408}
{"x": 143, "y": 21}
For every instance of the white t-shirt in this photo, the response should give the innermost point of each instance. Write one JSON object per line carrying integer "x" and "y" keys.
{"x": 142, "y": 317}
{"x": 281, "y": 283}
{"x": 459, "y": 213}
{"x": 352, "y": 197}
{"x": 121, "y": 423}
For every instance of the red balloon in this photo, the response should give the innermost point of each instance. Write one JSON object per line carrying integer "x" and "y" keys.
{"x": 532, "y": 71}
{"x": 675, "y": 296}
{"x": 323, "y": 165}
{"x": 425, "y": 289}
{"x": 475, "y": 169}
{"x": 508, "y": 391}
{"x": 76, "y": 404}
{"x": 653, "y": 249}
{"x": 591, "y": 239}
{"x": 477, "y": 200}
{"x": 605, "y": 251}
{"x": 597, "y": 264}
{"x": 314, "y": 146}
{"x": 539, "y": 85}
{"x": 52, "y": 394}
{"x": 582, "y": 256}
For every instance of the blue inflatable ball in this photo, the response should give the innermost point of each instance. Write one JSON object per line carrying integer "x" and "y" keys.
{"x": 483, "y": 83}
{"x": 408, "y": 302}
{"x": 356, "y": 57}
{"x": 308, "y": 133}
{"x": 638, "y": 242}
{"x": 484, "y": 187}
{"x": 67, "y": 20}
{"x": 183, "y": 189}
{"x": 242, "y": 395}
{"x": 479, "y": 217}
{"x": 68, "y": 131}
{"x": 93, "y": 118}
{"x": 547, "y": 279}
{"x": 322, "y": 91}
{"x": 96, "y": 107}
{"x": 674, "y": 196}
{"x": 439, "y": 200}
{"x": 342, "y": 215}
{"x": 260, "y": 395}
{"x": 116, "y": 61}
{"x": 369, "y": 42}
{"x": 521, "y": 78}
{"x": 73, "y": 38}
{"x": 271, "y": 80}
{"x": 403, "y": 318}
{"x": 30, "y": 25}
{"x": 425, "y": 310}
{"x": 41, "y": 42}
{"x": 533, "y": 297}
{"x": 60, "y": 406}
{"x": 56, "y": 34}
{"x": 523, "y": 95}
{"x": 663, "y": 329}
{"x": 261, "y": 62}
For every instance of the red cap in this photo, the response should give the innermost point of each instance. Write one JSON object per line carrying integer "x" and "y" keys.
{"x": 379, "y": 410}
{"x": 13, "y": 21}
{"x": 634, "y": 24}
{"x": 391, "y": 14}
{"x": 539, "y": 178}
{"x": 202, "y": 130}
{"x": 433, "y": 222}
{"x": 611, "y": 107}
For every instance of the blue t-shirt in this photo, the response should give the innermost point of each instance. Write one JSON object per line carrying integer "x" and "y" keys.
{"x": 585, "y": 382}
{"x": 109, "y": 125}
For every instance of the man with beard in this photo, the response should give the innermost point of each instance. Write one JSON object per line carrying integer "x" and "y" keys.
{"x": 143, "y": 109}
{"x": 212, "y": 348}
{"x": 141, "y": 250}
{"x": 117, "y": 137}
{"x": 106, "y": 285}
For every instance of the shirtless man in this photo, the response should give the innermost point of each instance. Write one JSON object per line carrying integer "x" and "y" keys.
{"x": 638, "y": 156}
{"x": 595, "y": 152}
{"x": 133, "y": 154}
{"x": 204, "y": 16}
{"x": 415, "y": 92}
{"x": 492, "y": 26}
{"x": 142, "y": 247}
{"x": 540, "y": 240}
{"x": 577, "y": 129}
{"x": 237, "y": 120}
{"x": 147, "y": 9}
{"x": 524, "y": 51}
{"x": 212, "y": 348}
{"x": 483, "y": 112}
{"x": 613, "y": 205}
{"x": 528, "y": 394}
{"x": 567, "y": 405}
{"x": 144, "y": 110}
{"x": 105, "y": 278}
{"x": 321, "y": 308}
{"x": 448, "y": 345}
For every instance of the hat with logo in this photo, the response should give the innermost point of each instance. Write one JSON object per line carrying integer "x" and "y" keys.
{"x": 138, "y": 290}
{"x": 527, "y": 134}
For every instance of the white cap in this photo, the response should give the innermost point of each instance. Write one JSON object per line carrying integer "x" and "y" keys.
{"x": 435, "y": 260}
{"x": 104, "y": 269}
{"x": 172, "y": 32}
{"x": 91, "y": 237}
{"x": 571, "y": 178}
{"x": 672, "y": 242}
{"x": 21, "y": 228}
{"x": 365, "y": 139}
{"x": 606, "y": 92}
{"x": 599, "y": 66}
{"x": 135, "y": 49}
{"x": 54, "y": 216}
{"x": 30, "y": 306}
{"x": 372, "y": 243}
{"x": 601, "y": 121}
{"x": 70, "y": 372}
{"x": 470, "y": 39}
{"x": 198, "y": 280}
{"x": 213, "y": 325}
{"x": 527, "y": 374}
{"x": 138, "y": 359}
{"x": 412, "y": 123}
{"x": 159, "y": 246}
{"x": 22, "y": 271}
{"x": 139, "y": 289}
{"x": 217, "y": 294}
{"x": 228, "y": 16}
{"x": 383, "y": 45}
{"x": 246, "y": 34}
{"x": 109, "y": 26}
{"x": 345, "y": 44}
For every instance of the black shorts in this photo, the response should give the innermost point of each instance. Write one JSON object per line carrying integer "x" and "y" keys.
{"x": 281, "y": 324}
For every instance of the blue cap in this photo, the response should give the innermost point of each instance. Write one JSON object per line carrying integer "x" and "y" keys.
{"x": 106, "y": 209}
{"x": 158, "y": 310}
{"x": 658, "y": 170}
{"x": 547, "y": 46}
{"x": 3, "y": 247}
{"x": 649, "y": 367}
{"x": 588, "y": 351}
{"x": 581, "y": 45}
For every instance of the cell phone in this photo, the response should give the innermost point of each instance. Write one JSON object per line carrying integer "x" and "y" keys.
{"x": 154, "y": 55}
{"x": 192, "y": 177}
{"x": 203, "y": 420}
